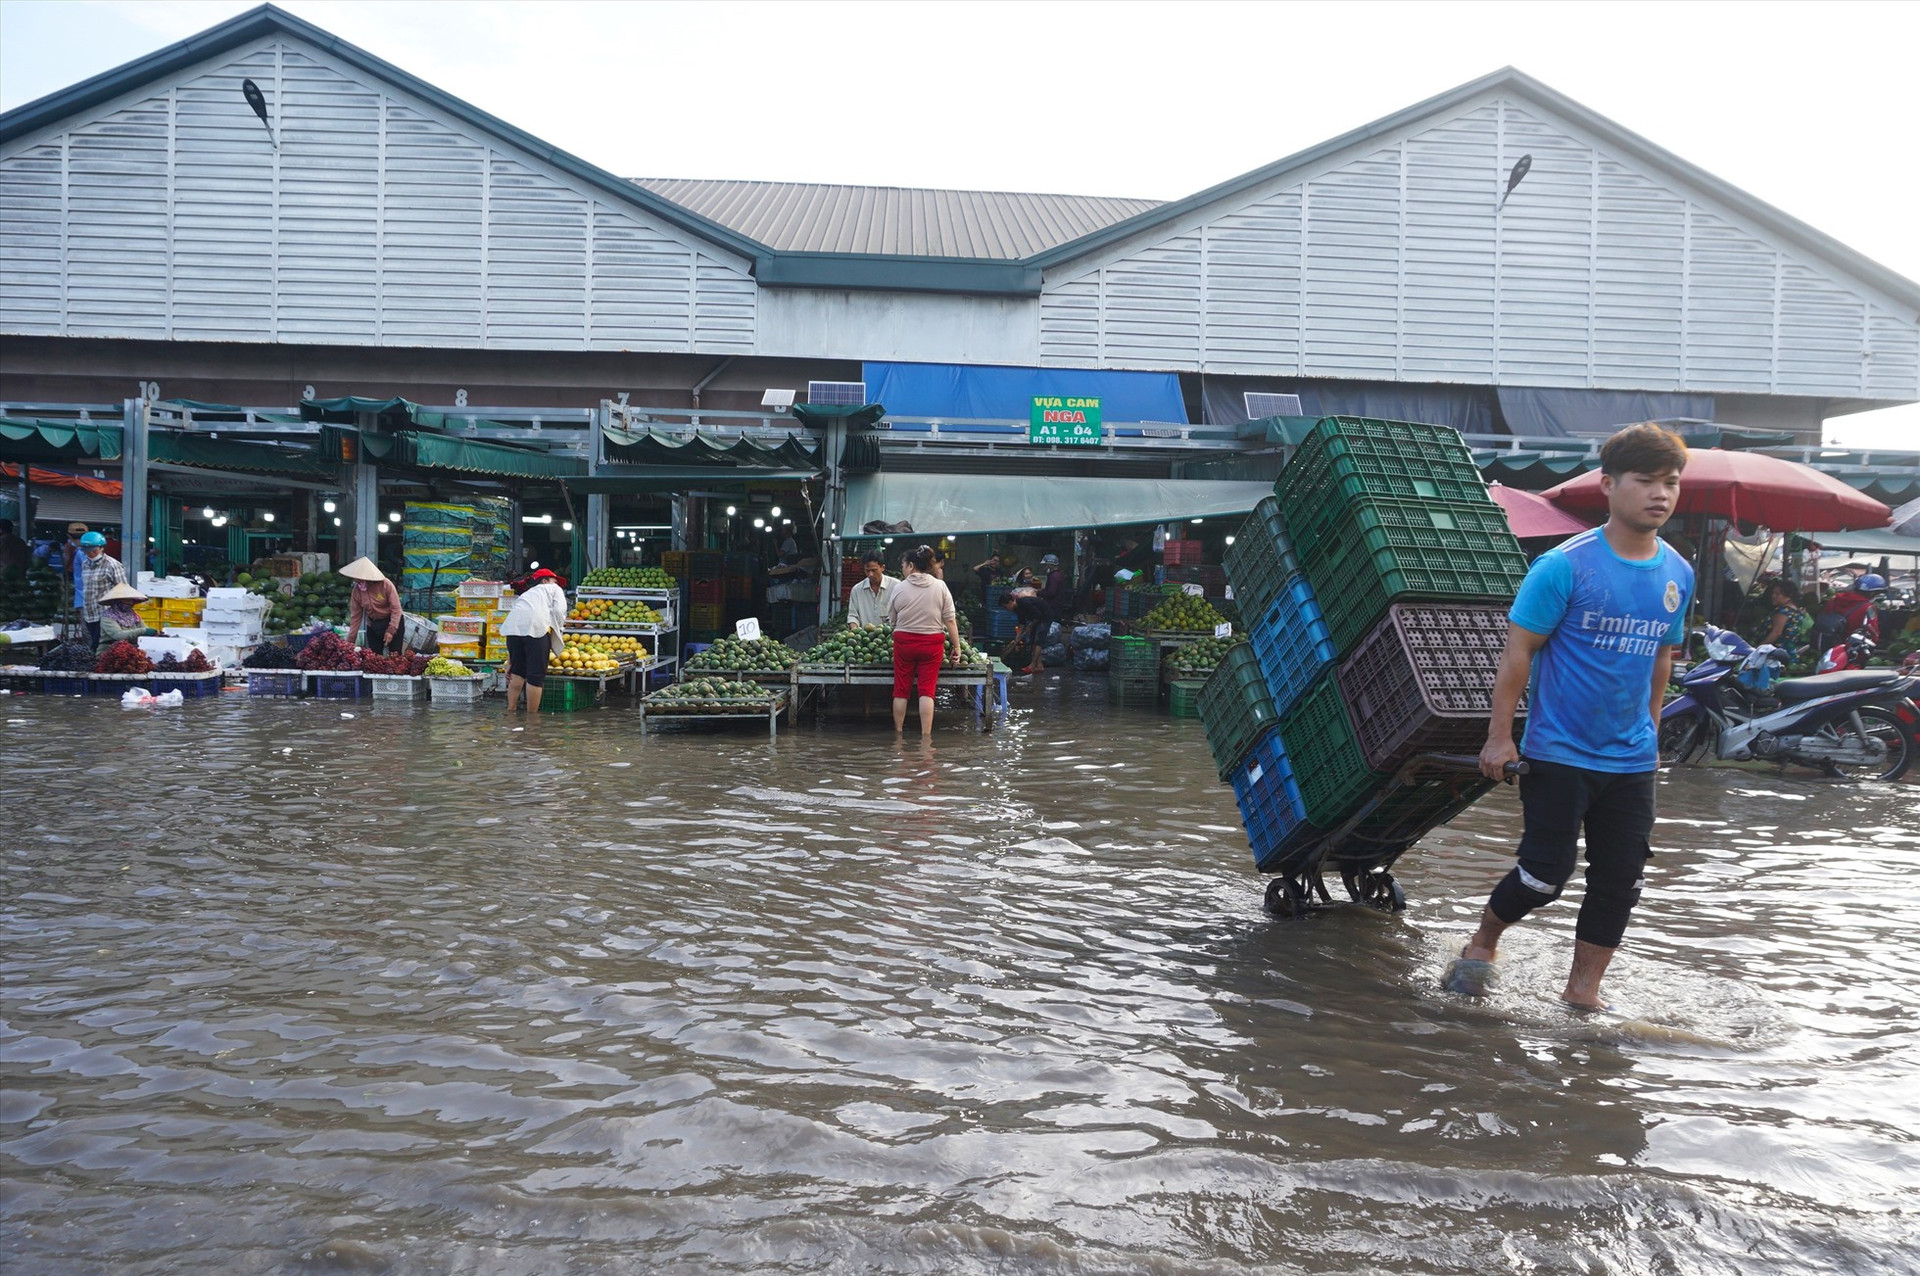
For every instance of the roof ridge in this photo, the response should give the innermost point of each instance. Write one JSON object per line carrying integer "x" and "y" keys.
{"x": 882, "y": 186}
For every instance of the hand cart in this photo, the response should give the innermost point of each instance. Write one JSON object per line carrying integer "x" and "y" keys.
{"x": 1428, "y": 791}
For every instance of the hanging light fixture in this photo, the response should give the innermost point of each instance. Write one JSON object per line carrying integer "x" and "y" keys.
{"x": 207, "y": 512}
{"x": 266, "y": 516}
{"x": 330, "y": 507}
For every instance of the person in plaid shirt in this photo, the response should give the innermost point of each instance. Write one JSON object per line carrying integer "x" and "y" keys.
{"x": 98, "y": 573}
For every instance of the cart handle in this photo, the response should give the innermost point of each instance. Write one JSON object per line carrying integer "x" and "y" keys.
{"x": 1464, "y": 762}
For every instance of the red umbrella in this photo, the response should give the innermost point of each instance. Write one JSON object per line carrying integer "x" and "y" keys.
{"x": 1530, "y": 514}
{"x": 1748, "y": 487}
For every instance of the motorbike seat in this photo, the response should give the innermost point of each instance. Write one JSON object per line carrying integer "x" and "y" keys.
{"x": 1833, "y": 684}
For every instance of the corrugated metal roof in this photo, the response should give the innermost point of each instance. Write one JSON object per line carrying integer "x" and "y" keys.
{"x": 896, "y": 221}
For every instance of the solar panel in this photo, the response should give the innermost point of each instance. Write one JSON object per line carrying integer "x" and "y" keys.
{"x": 842, "y": 393}
{"x": 1266, "y": 405}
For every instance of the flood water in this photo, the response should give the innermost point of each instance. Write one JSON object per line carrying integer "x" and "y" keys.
{"x": 415, "y": 991}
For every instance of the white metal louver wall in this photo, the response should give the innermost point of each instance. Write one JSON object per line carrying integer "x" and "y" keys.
{"x": 1394, "y": 265}
{"x": 375, "y": 222}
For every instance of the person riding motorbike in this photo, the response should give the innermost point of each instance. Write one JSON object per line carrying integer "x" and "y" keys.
{"x": 1852, "y": 610}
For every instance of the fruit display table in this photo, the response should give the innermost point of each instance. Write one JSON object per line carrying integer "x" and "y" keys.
{"x": 645, "y": 615}
{"x": 683, "y": 703}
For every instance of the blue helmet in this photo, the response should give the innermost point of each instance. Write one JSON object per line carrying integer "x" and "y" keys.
{"x": 92, "y": 539}
{"x": 1866, "y": 584}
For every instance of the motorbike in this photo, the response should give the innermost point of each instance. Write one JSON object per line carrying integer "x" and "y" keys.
{"x": 1852, "y": 653}
{"x": 1732, "y": 708}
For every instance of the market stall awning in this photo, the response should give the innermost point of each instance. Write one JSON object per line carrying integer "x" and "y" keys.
{"x": 1876, "y": 541}
{"x": 639, "y": 480}
{"x": 389, "y": 414}
{"x": 179, "y": 447}
{"x": 1530, "y": 470}
{"x": 31, "y": 439}
{"x": 469, "y": 456}
{"x": 704, "y": 450}
{"x": 960, "y": 503}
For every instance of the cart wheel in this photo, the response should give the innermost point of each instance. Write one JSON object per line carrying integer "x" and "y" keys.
{"x": 1287, "y": 898}
{"x": 1376, "y": 889}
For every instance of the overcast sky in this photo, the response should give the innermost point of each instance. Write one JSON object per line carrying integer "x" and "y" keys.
{"x": 1811, "y": 107}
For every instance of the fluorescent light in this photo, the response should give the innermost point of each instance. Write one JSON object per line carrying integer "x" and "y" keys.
{"x": 330, "y": 507}
{"x": 393, "y": 518}
{"x": 383, "y": 529}
{"x": 887, "y": 541}
{"x": 759, "y": 522}
{"x": 207, "y": 512}
{"x": 566, "y": 527}
{"x": 336, "y": 522}
{"x": 267, "y": 517}
{"x": 776, "y": 511}
{"x": 1196, "y": 520}
{"x": 1229, "y": 540}
{"x": 731, "y": 511}
{"x": 534, "y": 566}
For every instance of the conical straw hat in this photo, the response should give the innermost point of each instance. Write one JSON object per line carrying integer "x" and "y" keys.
{"x": 362, "y": 568}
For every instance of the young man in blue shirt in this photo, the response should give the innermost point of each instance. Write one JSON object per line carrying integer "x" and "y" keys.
{"x": 1594, "y": 628}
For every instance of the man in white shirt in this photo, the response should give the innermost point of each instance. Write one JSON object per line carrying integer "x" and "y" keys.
{"x": 867, "y": 604}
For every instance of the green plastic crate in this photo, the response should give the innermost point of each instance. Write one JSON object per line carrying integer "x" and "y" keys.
{"x": 1235, "y": 708}
{"x": 1261, "y": 559}
{"x": 1327, "y": 763}
{"x": 1387, "y": 551}
{"x": 1183, "y": 697}
{"x": 566, "y": 695}
{"x": 1344, "y": 460}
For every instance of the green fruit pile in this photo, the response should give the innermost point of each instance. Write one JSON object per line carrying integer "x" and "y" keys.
{"x": 762, "y": 655}
{"x": 316, "y": 596}
{"x": 36, "y": 596}
{"x": 1202, "y": 656}
{"x": 1183, "y": 611}
{"x": 441, "y": 667}
{"x": 629, "y": 578}
{"x": 872, "y": 646}
{"x": 701, "y": 689}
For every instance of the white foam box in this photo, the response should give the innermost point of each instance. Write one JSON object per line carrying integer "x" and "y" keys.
{"x": 174, "y": 645}
{"x": 165, "y": 586}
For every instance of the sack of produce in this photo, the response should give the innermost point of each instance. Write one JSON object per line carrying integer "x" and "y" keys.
{"x": 1090, "y": 659}
{"x": 1090, "y": 637}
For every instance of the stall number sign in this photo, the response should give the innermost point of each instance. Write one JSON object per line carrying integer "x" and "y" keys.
{"x": 1064, "y": 419}
{"x": 1223, "y": 630}
{"x": 746, "y": 630}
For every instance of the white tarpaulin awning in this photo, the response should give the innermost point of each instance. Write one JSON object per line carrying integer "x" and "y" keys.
{"x": 954, "y": 504}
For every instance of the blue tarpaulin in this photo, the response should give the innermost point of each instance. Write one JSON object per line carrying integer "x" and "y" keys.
{"x": 951, "y": 391}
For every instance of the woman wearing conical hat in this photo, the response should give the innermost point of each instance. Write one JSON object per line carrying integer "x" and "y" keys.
{"x": 118, "y": 620}
{"x": 376, "y": 602}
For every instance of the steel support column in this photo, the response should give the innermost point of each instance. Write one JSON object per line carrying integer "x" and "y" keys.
{"x": 599, "y": 522}
{"x": 833, "y": 445}
{"x": 133, "y": 488}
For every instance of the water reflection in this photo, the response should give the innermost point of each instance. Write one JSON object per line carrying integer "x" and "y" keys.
{"x": 419, "y": 990}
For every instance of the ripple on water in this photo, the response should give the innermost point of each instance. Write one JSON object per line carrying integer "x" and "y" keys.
{"x": 426, "y": 990}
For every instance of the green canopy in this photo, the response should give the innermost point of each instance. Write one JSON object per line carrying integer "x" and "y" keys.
{"x": 1532, "y": 470}
{"x": 23, "y": 439}
{"x": 389, "y": 414}
{"x": 1877, "y": 540}
{"x": 637, "y": 480}
{"x": 708, "y": 451}
{"x": 858, "y": 416}
{"x": 1287, "y": 430}
{"x": 419, "y": 451}
{"x": 182, "y": 447}
{"x": 962, "y": 503}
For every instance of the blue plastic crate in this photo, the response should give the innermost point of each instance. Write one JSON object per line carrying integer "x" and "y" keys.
{"x": 77, "y": 684}
{"x": 338, "y": 686}
{"x": 1292, "y": 643}
{"x": 276, "y": 682}
{"x": 1270, "y": 805}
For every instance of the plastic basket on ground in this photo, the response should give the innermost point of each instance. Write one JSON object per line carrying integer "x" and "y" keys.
{"x": 456, "y": 691}
{"x": 1332, "y": 773}
{"x": 337, "y": 686}
{"x": 1270, "y": 806}
{"x": 1291, "y": 641}
{"x": 1422, "y": 681}
{"x": 1183, "y": 697}
{"x": 1387, "y": 551}
{"x": 1128, "y": 657}
{"x": 1344, "y": 460}
{"x": 1235, "y": 708}
{"x": 565, "y": 695}
{"x": 396, "y": 686}
{"x": 1261, "y": 559}
{"x": 277, "y": 682}
{"x": 189, "y": 685}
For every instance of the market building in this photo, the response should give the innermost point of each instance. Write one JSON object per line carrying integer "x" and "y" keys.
{"x": 221, "y": 264}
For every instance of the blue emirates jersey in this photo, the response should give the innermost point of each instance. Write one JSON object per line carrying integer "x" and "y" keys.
{"x": 1606, "y": 619}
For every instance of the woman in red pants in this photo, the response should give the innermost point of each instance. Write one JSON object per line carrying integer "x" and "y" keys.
{"x": 921, "y": 612}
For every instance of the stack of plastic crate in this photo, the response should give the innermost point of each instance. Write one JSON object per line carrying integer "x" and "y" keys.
{"x": 1133, "y": 672}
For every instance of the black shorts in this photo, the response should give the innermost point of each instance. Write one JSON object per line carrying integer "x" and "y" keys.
{"x": 1616, "y": 812}
{"x": 527, "y": 658}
